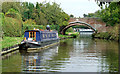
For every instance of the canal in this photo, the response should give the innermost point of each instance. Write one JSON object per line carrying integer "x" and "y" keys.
{"x": 82, "y": 54}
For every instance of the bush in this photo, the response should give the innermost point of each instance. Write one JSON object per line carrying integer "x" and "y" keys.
{"x": 14, "y": 14}
{"x": 54, "y": 27}
{"x": 75, "y": 34}
{"x": 12, "y": 27}
{"x": 112, "y": 34}
{"x": 12, "y": 24}
{"x": 1, "y": 23}
{"x": 69, "y": 30}
{"x": 30, "y": 22}
{"x": 31, "y": 27}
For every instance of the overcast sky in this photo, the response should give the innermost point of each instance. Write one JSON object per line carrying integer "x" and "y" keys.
{"x": 75, "y": 7}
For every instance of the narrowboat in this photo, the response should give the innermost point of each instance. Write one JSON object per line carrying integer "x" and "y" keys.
{"x": 38, "y": 38}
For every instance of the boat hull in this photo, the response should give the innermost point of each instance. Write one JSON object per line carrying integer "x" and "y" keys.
{"x": 26, "y": 45}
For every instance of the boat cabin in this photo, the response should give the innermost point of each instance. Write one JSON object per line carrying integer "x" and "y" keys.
{"x": 38, "y": 35}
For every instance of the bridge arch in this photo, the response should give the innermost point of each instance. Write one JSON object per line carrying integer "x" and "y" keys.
{"x": 74, "y": 24}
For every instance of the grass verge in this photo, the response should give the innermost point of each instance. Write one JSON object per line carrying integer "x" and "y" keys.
{"x": 73, "y": 34}
{"x": 69, "y": 35}
{"x": 64, "y": 36}
{"x": 10, "y": 41}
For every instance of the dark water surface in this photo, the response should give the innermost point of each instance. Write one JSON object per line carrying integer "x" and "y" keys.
{"x": 82, "y": 54}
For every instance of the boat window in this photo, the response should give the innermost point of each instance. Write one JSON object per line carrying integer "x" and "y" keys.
{"x": 55, "y": 35}
{"x": 49, "y": 35}
{"x": 52, "y": 35}
{"x": 32, "y": 35}
{"x": 46, "y": 35}
{"x": 43, "y": 36}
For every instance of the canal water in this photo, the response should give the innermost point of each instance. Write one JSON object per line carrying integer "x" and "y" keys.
{"x": 82, "y": 54}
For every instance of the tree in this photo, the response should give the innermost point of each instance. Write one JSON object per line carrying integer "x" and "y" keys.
{"x": 71, "y": 16}
{"x": 41, "y": 20}
{"x": 85, "y": 15}
{"x": 37, "y": 6}
{"x": 42, "y": 13}
{"x": 8, "y": 5}
{"x": 110, "y": 14}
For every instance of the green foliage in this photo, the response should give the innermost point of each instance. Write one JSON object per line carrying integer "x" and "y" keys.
{"x": 85, "y": 15}
{"x": 12, "y": 10}
{"x": 110, "y": 14}
{"x": 37, "y": 6}
{"x": 112, "y": 34}
{"x": 53, "y": 27}
{"x": 94, "y": 15}
{"x": 65, "y": 23}
{"x": 90, "y": 14}
{"x": 44, "y": 14}
{"x": 30, "y": 22}
{"x": 2, "y": 15}
{"x": 14, "y": 14}
{"x": 10, "y": 41}
{"x": 73, "y": 34}
{"x": 8, "y": 5}
{"x": 80, "y": 26}
{"x": 71, "y": 16}
{"x": 12, "y": 23}
{"x": 40, "y": 14}
{"x": 69, "y": 30}
{"x": 31, "y": 27}
{"x": 1, "y": 23}
{"x": 11, "y": 27}
{"x": 41, "y": 19}
{"x": 64, "y": 36}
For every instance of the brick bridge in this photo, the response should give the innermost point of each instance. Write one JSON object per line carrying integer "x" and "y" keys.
{"x": 92, "y": 23}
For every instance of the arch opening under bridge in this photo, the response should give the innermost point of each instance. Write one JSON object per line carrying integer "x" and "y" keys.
{"x": 74, "y": 24}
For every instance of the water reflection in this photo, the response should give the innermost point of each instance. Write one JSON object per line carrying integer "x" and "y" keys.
{"x": 38, "y": 62}
{"x": 82, "y": 54}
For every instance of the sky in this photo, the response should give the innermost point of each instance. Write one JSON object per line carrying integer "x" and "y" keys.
{"x": 74, "y": 7}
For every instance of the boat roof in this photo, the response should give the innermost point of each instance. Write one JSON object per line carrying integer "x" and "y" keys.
{"x": 40, "y": 31}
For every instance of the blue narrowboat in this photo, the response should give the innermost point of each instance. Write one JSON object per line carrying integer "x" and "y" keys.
{"x": 38, "y": 38}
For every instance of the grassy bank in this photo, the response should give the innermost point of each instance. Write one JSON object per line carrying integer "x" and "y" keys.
{"x": 111, "y": 34}
{"x": 69, "y": 35}
{"x": 64, "y": 36}
{"x": 73, "y": 34}
{"x": 10, "y": 41}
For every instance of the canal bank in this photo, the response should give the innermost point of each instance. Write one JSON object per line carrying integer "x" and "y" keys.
{"x": 10, "y": 44}
{"x": 106, "y": 35}
{"x": 111, "y": 34}
{"x": 82, "y": 54}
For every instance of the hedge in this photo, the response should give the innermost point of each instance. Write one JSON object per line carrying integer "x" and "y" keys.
{"x": 12, "y": 25}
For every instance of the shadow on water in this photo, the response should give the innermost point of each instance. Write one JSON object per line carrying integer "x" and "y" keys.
{"x": 82, "y": 54}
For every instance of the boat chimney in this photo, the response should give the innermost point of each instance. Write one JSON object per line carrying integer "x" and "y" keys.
{"x": 48, "y": 27}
